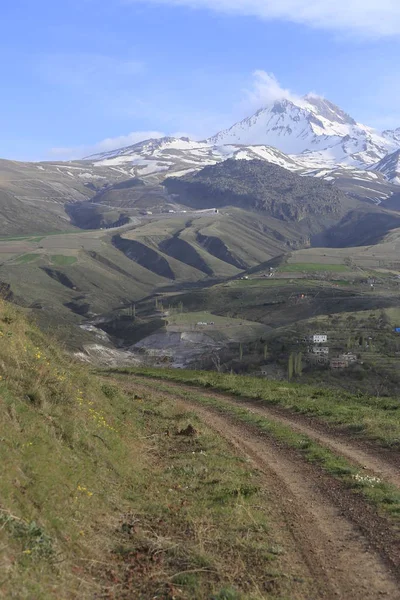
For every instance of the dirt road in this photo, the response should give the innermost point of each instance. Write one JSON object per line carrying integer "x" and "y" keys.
{"x": 377, "y": 461}
{"x": 332, "y": 536}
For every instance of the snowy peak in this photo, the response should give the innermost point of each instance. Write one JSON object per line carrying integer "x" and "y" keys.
{"x": 389, "y": 166}
{"x": 293, "y": 126}
{"x": 307, "y": 125}
{"x": 328, "y": 110}
{"x": 393, "y": 135}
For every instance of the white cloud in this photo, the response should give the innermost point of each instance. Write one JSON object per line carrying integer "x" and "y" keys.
{"x": 265, "y": 90}
{"x": 106, "y": 145}
{"x": 372, "y": 18}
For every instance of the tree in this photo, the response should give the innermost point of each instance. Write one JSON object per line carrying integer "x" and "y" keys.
{"x": 216, "y": 359}
{"x": 298, "y": 368}
{"x": 240, "y": 351}
{"x": 290, "y": 366}
{"x": 265, "y": 351}
{"x": 132, "y": 311}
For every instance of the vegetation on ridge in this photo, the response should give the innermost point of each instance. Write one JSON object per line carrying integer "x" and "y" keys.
{"x": 257, "y": 185}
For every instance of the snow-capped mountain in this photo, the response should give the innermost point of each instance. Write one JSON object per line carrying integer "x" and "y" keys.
{"x": 313, "y": 126}
{"x": 177, "y": 156}
{"x": 309, "y": 135}
{"x": 389, "y": 166}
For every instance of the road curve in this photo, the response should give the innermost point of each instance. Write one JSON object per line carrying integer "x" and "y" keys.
{"x": 319, "y": 526}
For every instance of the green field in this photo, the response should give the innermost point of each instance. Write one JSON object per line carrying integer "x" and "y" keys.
{"x": 313, "y": 267}
{"x": 35, "y": 237}
{"x": 266, "y": 282}
{"x": 62, "y": 261}
{"x": 196, "y": 317}
{"x": 27, "y": 258}
{"x": 224, "y": 329}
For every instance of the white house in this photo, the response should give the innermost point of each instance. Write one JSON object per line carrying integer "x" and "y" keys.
{"x": 319, "y": 338}
{"x": 320, "y": 350}
{"x": 349, "y": 356}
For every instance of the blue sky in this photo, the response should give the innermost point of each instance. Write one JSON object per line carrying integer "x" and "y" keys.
{"x": 85, "y": 75}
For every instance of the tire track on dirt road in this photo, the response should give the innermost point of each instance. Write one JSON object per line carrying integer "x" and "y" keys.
{"x": 343, "y": 560}
{"x": 380, "y": 462}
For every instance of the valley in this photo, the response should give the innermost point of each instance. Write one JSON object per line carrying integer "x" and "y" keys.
{"x": 230, "y": 268}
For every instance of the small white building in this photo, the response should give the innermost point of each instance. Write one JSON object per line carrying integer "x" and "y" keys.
{"x": 320, "y": 350}
{"x": 319, "y": 338}
{"x": 349, "y": 356}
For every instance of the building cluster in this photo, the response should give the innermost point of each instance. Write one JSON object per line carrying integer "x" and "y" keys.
{"x": 318, "y": 353}
{"x": 343, "y": 360}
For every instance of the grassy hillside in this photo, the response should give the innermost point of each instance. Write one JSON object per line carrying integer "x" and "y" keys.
{"x": 34, "y": 196}
{"x": 66, "y": 278}
{"x": 193, "y": 247}
{"x": 105, "y": 494}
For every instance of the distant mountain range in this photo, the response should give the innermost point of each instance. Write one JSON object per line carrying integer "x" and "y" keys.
{"x": 310, "y": 135}
{"x": 307, "y": 136}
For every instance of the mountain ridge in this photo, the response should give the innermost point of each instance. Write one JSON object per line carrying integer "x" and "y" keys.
{"x": 311, "y": 124}
{"x": 332, "y": 146}
{"x": 304, "y": 135}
